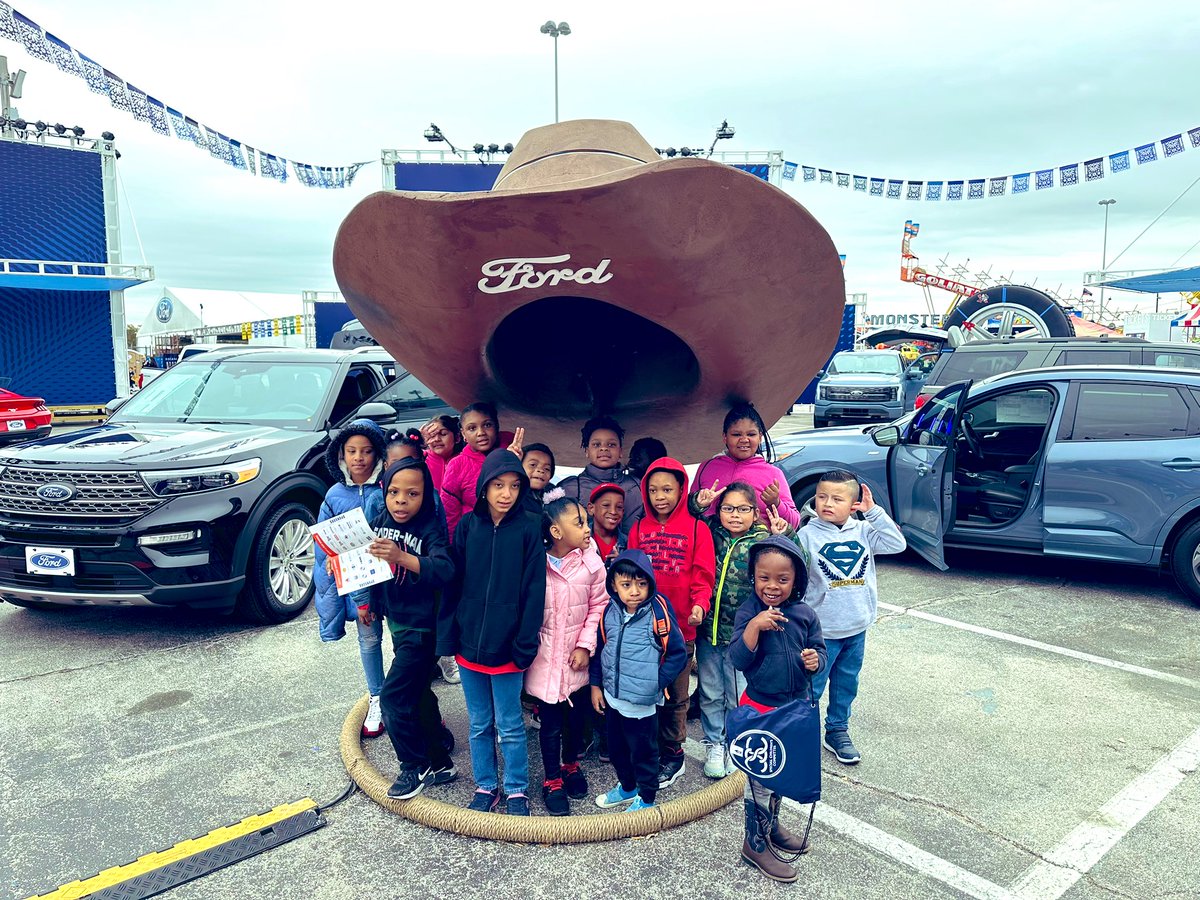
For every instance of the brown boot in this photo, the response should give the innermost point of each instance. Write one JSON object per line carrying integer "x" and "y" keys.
{"x": 781, "y": 837}
{"x": 765, "y": 862}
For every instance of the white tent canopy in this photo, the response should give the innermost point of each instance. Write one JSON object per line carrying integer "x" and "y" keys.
{"x": 185, "y": 309}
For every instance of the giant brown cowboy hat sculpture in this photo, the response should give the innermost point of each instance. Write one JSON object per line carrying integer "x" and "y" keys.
{"x": 595, "y": 277}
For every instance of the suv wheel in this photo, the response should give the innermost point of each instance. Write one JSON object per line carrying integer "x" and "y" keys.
{"x": 1185, "y": 561}
{"x": 279, "y": 576}
{"x": 804, "y": 497}
{"x": 1024, "y": 309}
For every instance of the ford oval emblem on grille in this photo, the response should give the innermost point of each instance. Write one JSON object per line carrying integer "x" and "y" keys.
{"x": 56, "y": 492}
{"x": 51, "y": 561}
{"x": 852, "y": 394}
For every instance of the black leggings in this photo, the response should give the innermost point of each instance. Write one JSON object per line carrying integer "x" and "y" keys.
{"x": 633, "y": 747}
{"x": 561, "y": 735}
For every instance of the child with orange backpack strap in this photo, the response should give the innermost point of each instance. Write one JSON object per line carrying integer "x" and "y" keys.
{"x": 639, "y": 655}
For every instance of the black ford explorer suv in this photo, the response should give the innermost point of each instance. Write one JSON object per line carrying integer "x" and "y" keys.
{"x": 200, "y": 488}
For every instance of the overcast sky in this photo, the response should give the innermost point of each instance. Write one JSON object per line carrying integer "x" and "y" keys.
{"x": 929, "y": 90}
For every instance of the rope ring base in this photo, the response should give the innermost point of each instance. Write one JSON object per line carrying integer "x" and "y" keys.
{"x": 534, "y": 829}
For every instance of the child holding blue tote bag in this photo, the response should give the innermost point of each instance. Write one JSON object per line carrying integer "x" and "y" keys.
{"x": 774, "y": 735}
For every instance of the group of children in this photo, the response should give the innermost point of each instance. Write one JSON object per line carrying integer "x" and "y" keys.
{"x": 593, "y": 597}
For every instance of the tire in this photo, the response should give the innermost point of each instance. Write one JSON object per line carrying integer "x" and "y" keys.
{"x": 803, "y": 495}
{"x": 283, "y": 549}
{"x": 1039, "y": 303}
{"x": 820, "y": 423}
{"x": 1185, "y": 561}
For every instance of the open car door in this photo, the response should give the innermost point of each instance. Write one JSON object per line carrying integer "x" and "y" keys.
{"x": 921, "y": 469}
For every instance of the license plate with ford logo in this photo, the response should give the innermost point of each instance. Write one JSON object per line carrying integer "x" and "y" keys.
{"x": 49, "y": 561}
{"x": 16, "y": 424}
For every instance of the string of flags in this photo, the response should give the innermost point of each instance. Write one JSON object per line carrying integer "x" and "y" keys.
{"x": 273, "y": 327}
{"x": 1020, "y": 183}
{"x": 164, "y": 119}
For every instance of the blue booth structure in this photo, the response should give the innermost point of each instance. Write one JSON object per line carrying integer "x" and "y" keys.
{"x": 62, "y": 308}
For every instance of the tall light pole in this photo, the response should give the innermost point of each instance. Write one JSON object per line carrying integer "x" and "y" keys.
{"x": 1104, "y": 252}
{"x": 554, "y": 30}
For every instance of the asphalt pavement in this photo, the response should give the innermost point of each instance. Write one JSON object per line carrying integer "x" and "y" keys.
{"x": 1029, "y": 728}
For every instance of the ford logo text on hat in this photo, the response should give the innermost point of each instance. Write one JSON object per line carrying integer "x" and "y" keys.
{"x": 56, "y": 491}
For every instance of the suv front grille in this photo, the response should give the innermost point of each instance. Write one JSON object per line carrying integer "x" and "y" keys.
{"x": 114, "y": 497}
{"x": 860, "y": 394}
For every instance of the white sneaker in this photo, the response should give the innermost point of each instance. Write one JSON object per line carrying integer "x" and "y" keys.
{"x": 373, "y": 723}
{"x": 714, "y": 763}
{"x": 730, "y": 768}
{"x": 449, "y": 667}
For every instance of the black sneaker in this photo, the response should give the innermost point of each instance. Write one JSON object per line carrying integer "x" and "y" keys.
{"x": 410, "y": 782}
{"x": 575, "y": 782}
{"x": 670, "y": 769}
{"x": 517, "y": 805}
{"x": 839, "y": 744}
{"x": 445, "y": 775}
{"x": 555, "y": 798}
{"x": 485, "y": 801}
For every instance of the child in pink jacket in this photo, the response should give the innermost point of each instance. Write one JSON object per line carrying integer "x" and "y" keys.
{"x": 558, "y": 677}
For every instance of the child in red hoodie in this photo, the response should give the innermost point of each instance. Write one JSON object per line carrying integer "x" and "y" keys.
{"x": 680, "y": 548}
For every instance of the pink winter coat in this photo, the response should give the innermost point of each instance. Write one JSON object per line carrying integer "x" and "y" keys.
{"x": 575, "y": 601}
{"x": 458, "y": 485}
{"x": 756, "y": 472}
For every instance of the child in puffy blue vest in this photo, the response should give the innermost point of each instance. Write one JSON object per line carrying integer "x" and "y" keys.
{"x": 639, "y": 653}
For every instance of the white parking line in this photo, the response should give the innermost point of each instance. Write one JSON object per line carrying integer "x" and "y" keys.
{"x": 968, "y": 883}
{"x": 1087, "y": 844}
{"x": 1038, "y": 645}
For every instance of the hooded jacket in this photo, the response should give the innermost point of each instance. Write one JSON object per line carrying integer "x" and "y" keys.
{"x": 579, "y": 487}
{"x": 775, "y": 673}
{"x": 841, "y": 582}
{"x": 629, "y": 662}
{"x": 410, "y": 600}
{"x": 458, "y": 485}
{"x": 333, "y": 611}
{"x": 756, "y": 472}
{"x": 575, "y": 599}
{"x": 681, "y": 550}
{"x": 492, "y": 613}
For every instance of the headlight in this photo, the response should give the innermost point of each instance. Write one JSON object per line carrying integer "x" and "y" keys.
{"x": 191, "y": 481}
{"x": 789, "y": 452}
{"x": 823, "y": 392}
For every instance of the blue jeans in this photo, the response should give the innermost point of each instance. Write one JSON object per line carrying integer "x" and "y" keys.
{"x": 370, "y": 648}
{"x": 721, "y": 687}
{"x": 494, "y": 707}
{"x": 845, "y": 659}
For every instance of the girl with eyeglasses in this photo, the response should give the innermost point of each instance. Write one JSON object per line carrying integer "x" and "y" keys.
{"x": 735, "y": 528}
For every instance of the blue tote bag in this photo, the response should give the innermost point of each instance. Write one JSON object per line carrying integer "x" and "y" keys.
{"x": 780, "y": 749}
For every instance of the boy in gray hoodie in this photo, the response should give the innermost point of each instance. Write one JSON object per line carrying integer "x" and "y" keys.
{"x": 842, "y": 590}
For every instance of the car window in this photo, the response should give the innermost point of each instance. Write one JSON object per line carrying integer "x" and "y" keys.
{"x": 1099, "y": 356}
{"x": 924, "y": 363}
{"x": 1121, "y": 412}
{"x": 865, "y": 364}
{"x": 933, "y": 424}
{"x": 1177, "y": 359}
{"x": 360, "y": 384}
{"x": 407, "y": 393}
{"x": 1029, "y": 407}
{"x": 978, "y": 366}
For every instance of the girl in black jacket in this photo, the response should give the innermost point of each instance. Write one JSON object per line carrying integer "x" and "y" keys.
{"x": 491, "y": 621}
{"x": 411, "y": 536}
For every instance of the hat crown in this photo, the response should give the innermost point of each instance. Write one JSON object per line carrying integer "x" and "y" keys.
{"x": 571, "y": 151}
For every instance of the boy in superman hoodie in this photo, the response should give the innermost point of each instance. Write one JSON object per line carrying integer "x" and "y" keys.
{"x": 680, "y": 548}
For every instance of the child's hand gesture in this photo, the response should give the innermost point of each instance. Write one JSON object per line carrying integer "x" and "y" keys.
{"x": 809, "y": 657}
{"x": 518, "y": 442}
{"x": 706, "y": 496}
{"x": 778, "y": 524}
{"x": 429, "y": 431}
{"x": 697, "y": 615}
{"x": 387, "y": 550}
{"x": 598, "y": 700}
{"x": 770, "y": 619}
{"x": 865, "y": 502}
{"x": 579, "y": 659}
{"x": 770, "y": 495}
{"x": 365, "y": 615}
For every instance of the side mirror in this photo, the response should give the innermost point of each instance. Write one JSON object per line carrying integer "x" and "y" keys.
{"x": 114, "y": 404}
{"x": 376, "y": 412}
{"x": 821, "y": 374}
{"x": 913, "y": 372}
{"x": 888, "y": 436}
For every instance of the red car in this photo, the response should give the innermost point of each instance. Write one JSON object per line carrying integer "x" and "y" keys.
{"x": 22, "y": 418}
